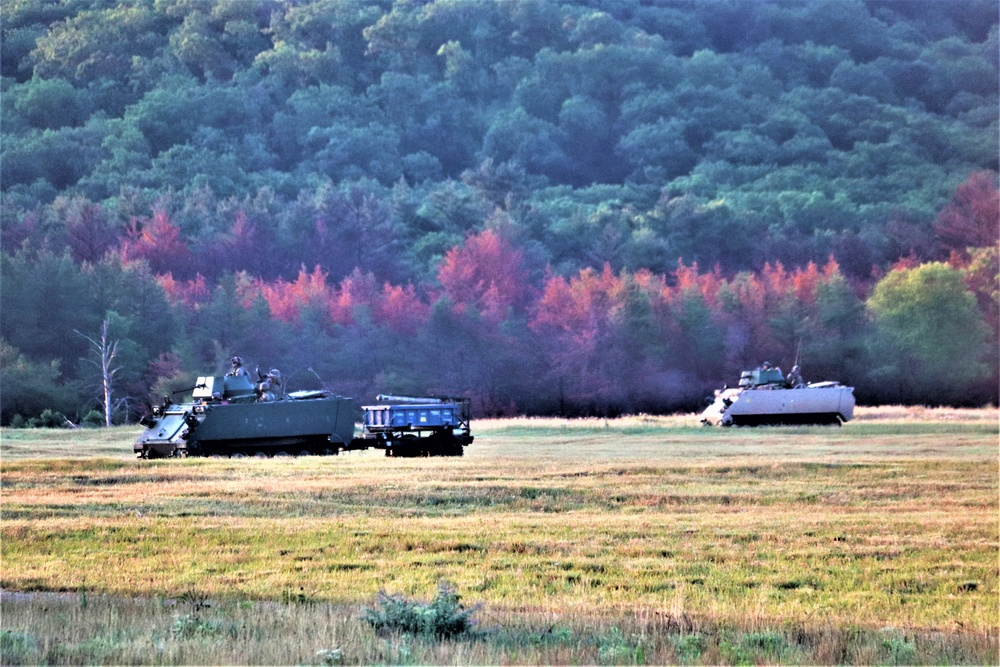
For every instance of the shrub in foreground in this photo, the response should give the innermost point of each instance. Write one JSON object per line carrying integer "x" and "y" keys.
{"x": 444, "y": 616}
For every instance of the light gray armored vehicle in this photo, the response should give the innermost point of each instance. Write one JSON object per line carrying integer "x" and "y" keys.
{"x": 764, "y": 397}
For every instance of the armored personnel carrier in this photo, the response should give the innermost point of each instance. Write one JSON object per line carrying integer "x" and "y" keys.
{"x": 765, "y": 397}
{"x": 227, "y": 418}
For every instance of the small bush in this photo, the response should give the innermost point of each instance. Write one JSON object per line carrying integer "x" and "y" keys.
{"x": 444, "y": 616}
{"x": 754, "y": 647}
{"x": 189, "y": 625}
{"x": 689, "y": 648}
{"x": 194, "y": 624}
{"x": 17, "y": 648}
{"x": 93, "y": 418}
{"x": 734, "y": 653}
{"x": 616, "y": 649}
{"x": 48, "y": 419}
{"x": 770, "y": 643}
{"x": 900, "y": 650}
{"x": 330, "y": 656}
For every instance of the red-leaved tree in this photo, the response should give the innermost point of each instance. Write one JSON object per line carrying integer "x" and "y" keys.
{"x": 159, "y": 242}
{"x": 189, "y": 293}
{"x": 358, "y": 290}
{"x": 286, "y": 299}
{"x": 972, "y": 218}
{"x": 400, "y": 309}
{"x": 487, "y": 273}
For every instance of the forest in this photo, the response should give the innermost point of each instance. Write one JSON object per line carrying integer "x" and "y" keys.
{"x": 580, "y": 208}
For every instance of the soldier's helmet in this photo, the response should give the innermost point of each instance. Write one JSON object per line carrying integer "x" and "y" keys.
{"x": 767, "y": 364}
{"x": 237, "y": 361}
{"x": 795, "y": 368}
{"x": 274, "y": 374}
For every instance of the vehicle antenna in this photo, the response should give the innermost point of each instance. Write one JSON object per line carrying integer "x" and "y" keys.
{"x": 321, "y": 382}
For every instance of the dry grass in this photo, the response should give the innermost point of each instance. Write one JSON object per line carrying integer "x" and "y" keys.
{"x": 645, "y": 539}
{"x": 87, "y": 629}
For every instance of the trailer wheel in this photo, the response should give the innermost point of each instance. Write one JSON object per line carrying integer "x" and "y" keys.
{"x": 448, "y": 445}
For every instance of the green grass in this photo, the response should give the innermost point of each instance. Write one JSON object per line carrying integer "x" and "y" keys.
{"x": 642, "y": 540}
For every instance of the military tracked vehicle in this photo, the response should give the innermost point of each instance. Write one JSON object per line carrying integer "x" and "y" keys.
{"x": 228, "y": 418}
{"x": 231, "y": 416}
{"x": 416, "y": 426}
{"x": 764, "y": 396}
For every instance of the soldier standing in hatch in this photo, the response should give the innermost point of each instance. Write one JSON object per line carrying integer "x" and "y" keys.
{"x": 237, "y": 370}
{"x": 270, "y": 389}
{"x": 794, "y": 378}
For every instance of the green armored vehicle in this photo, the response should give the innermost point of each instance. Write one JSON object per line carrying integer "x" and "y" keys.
{"x": 229, "y": 416}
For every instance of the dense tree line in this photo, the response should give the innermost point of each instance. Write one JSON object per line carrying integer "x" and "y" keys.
{"x": 577, "y": 207}
{"x": 500, "y": 326}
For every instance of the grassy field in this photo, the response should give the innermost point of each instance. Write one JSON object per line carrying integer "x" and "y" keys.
{"x": 639, "y": 540}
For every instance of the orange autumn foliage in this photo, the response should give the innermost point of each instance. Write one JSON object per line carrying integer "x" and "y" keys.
{"x": 487, "y": 273}
{"x": 189, "y": 293}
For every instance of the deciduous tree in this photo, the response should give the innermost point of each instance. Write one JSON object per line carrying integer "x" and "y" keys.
{"x": 104, "y": 349}
{"x": 486, "y": 273}
{"x": 933, "y": 334}
{"x": 30, "y": 387}
{"x": 159, "y": 242}
{"x": 972, "y": 218}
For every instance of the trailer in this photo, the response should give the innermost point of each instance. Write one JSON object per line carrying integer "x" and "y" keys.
{"x": 416, "y": 426}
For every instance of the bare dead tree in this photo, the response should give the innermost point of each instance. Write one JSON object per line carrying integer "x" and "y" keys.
{"x": 106, "y": 350}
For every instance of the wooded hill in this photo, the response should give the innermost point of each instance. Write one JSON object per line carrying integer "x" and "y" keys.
{"x": 575, "y": 206}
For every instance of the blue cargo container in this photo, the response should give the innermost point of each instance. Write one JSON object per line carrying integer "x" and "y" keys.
{"x": 410, "y": 426}
{"x": 412, "y": 418}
